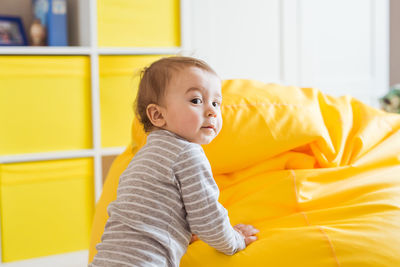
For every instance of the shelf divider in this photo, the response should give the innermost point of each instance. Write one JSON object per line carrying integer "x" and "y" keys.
{"x": 138, "y": 50}
{"x": 45, "y": 50}
{"x": 84, "y": 153}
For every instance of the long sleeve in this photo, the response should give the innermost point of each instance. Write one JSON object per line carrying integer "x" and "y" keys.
{"x": 206, "y": 216}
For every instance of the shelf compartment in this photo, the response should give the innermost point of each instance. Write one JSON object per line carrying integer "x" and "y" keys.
{"x": 106, "y": 162}
{"x": 46, "y": 207}
{"x": 119, "y": 79}
{"x": 77, "y": 17}
{"x": 154, "y": 23}
{"x": 44, "y": 104}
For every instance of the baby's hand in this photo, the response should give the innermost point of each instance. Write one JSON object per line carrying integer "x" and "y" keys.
{"x": 194, "y": 238}
{"x": 248, "y": 232}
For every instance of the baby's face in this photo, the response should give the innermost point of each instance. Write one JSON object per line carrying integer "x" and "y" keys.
{"x": 192, "y": 105}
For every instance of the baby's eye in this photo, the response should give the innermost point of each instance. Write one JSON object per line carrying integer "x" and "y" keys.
{"x": 215, "y": 104}
{"x": 196, "y": 101}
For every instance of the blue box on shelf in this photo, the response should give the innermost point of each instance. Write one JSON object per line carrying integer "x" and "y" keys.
{"x": 53, "y": 16}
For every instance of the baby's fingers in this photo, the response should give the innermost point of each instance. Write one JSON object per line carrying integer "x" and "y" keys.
{"x": 247, "y": 229}
{"x": 250, "y": 239}
{"x": 252, "y": 231}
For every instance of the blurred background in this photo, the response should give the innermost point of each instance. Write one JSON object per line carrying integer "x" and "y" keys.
{"x": 68, "y": 75}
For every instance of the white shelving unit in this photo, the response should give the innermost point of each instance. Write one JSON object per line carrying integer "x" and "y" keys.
{"x": 83, "y": 38}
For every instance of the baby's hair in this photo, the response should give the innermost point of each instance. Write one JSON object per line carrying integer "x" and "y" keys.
{"x": 155, "y": 78}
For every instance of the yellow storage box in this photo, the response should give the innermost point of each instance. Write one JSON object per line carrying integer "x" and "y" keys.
{"x": 46, "y": 207}
{"x": 119, "y": 80}
{"x": 138, "y": 23}
{"x": 44, "y": 104}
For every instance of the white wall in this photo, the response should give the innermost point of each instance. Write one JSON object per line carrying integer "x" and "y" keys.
{"x": 338, "y": 46}
{"x": 394, "y": 42}
{"x": 240, "y": 39}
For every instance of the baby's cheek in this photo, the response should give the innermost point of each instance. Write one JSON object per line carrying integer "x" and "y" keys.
{"x": 191, "y": 123}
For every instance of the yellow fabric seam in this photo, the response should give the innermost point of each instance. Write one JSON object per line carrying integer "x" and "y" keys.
{"x": 330, "y": 244}
{"x": 308, "y": 222}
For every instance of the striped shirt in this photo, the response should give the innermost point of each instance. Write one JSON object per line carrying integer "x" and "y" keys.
{"x": 166, "y": 193}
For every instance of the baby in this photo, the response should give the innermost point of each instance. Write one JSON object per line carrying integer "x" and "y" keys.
{"x": 168, "y": 192}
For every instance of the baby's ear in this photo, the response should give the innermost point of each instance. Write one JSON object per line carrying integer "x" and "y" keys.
{"x": 155, "y": 115}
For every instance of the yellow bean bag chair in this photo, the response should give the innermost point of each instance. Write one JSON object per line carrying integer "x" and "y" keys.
{"x": 319, "y": 176}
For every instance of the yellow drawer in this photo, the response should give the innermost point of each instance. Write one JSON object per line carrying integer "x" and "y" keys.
{"x": 138, "y": 23}
{"x": 45, "y": 104}
{"x": 46, "y": 207}
{"x": 119, "y": 79}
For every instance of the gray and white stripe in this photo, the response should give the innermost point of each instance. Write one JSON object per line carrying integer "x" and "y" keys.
{"x": 166, "y": 194}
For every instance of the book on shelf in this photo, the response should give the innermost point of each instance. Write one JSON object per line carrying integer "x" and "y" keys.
{"x": 52, "y": 14}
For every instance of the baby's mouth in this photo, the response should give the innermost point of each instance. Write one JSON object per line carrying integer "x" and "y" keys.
{"x": 209, "y": 127}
